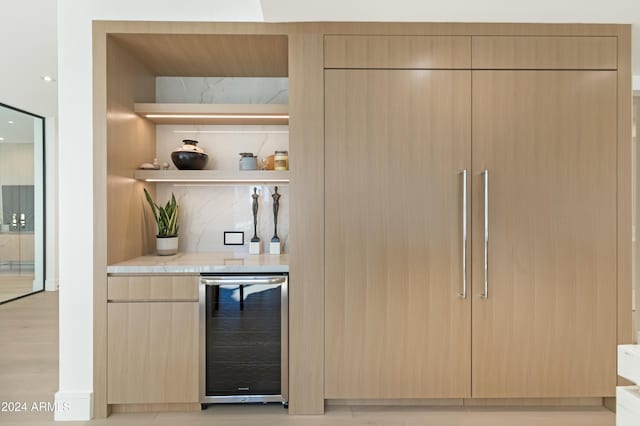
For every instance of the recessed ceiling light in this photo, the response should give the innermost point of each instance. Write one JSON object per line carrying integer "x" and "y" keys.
{"x": 1, "y": 138}
{"x": 48, "y": 78}
{"x": 10, "y": 121}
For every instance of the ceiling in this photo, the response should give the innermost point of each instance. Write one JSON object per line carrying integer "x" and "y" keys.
{"x": 28, "y": 51}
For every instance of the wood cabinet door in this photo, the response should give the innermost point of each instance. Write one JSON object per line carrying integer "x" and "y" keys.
{"x": 396, "y": 143}
{"x": 152, "y": 352}
{"x": 548, "y": 142}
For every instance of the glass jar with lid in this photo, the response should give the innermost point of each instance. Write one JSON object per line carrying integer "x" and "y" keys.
{"x": 281, "y": 160}
{"x": 248, "y": 161}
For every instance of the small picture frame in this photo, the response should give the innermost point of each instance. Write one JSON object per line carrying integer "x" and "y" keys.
{"x": 233, "y": 238}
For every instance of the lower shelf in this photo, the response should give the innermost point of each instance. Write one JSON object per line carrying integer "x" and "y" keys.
{"x": 229, "y": 177}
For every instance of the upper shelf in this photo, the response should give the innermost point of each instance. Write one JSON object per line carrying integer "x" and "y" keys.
{"x": 229, "y": 177}
{"x": 214, "y": 113}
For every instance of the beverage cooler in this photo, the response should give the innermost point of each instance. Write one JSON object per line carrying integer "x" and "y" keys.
{"x": 243, "y": 338}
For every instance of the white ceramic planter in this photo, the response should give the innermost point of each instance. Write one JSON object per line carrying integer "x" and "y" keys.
{"x": 166, "y": 246}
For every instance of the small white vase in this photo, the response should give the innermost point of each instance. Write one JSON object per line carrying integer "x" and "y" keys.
{"x": 166, "y": 246}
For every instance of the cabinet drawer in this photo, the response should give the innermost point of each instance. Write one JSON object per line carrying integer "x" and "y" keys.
{"x": 408, "y": 52}
{"x": 153, "y": 288}
{"x": 504, "y": 52}
{"x": 629, "y": 362}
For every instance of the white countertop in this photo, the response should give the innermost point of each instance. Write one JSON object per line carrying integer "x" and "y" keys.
{"x": 195, "y": 263}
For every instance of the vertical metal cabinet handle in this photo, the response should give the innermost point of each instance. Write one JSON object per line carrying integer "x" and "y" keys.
{"x": 464, "y": 235}
{"x": 485, "y": 293}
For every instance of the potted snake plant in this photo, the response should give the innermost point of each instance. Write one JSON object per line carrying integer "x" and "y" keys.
{"x": 167, "y": 221}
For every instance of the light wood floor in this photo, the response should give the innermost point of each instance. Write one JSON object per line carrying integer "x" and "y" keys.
{"x": 14, "y": 285}
{"x": 29, "y": 372}
{"x": 370, "y": 416}
{"x": 29, "y": 354}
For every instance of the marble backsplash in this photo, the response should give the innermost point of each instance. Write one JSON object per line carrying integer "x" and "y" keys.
{"x": 222, "y": 90}
{"x": 207, "y": 211}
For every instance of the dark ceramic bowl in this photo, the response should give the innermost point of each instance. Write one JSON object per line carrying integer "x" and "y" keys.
{"x": 186, "y": 160}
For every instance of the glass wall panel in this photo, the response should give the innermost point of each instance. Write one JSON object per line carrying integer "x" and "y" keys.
{"x": 21, "y": 203}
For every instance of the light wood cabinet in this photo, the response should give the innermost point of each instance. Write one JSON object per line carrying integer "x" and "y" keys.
{"x": 146, "y": 288}
{"x": 548, "y": 140}
{"x": 152, "y": 346}
{"x": 351, "y": 330}
{"x": 396, "y": 142}
{"x": 410, "y": 52}
{"x": 551, "y": 53}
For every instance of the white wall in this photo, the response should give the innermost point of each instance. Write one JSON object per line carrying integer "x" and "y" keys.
{"x": 28, "y": 52}
{"x": 453, "y": 10}
{"x": 76, "y": 169}
{"x": 16, "y": 164}
{"x": 636, "y": 186}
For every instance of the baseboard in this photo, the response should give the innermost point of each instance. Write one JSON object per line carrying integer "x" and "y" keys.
{"x": 426, "y": 402}
{"x": 154, "y": 408}
{"x": 72, "y": 406}
{"x": 533, "y": 402}
{"x": 50, "y": 285}
{"x": 476, "y": 402}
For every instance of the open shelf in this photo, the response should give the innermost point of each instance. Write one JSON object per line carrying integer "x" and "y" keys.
{"x": 230, "y": 177}
{"x": 221, "y": 114}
